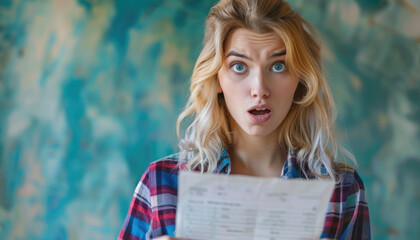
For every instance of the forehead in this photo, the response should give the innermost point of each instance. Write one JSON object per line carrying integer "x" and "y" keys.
{"x": 248, "y": 41}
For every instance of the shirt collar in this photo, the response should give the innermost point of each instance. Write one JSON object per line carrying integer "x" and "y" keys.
{"x": 290, "y": 167}
{"x": 223, "y": 165}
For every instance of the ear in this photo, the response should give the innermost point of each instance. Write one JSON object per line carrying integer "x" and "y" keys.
{"x": 219, "y": 88}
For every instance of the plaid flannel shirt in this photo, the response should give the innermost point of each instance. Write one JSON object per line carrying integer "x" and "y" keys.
{"x": 152, "y": 210}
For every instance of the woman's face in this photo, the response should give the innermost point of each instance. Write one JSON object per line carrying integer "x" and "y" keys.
{"x": 257, "y": 87}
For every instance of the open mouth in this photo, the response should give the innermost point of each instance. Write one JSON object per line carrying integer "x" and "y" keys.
{"x": 260, "y": 114}
{"x": 260, "y": 111}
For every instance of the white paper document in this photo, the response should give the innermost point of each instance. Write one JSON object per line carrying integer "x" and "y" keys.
{"x": 241, "y": 207}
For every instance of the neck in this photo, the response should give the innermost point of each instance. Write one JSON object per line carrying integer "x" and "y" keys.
{"x": 256, "y": 155}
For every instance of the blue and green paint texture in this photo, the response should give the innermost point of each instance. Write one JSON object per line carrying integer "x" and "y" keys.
{"x": 90, "y": 91}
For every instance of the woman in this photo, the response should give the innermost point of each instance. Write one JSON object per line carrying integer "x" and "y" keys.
{"x": 259, "y": 106}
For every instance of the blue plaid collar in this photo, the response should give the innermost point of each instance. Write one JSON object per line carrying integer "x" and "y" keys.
{"x": 291, "y": 168}
{"x": 223, "y": 165}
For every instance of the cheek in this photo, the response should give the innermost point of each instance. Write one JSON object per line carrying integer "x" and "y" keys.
{"x": 228, "y": 90}
{"x": 227, "y": 85}
{"x": 231, "y": 93}
{"x": 231, "y": 97}
{"x": 286, "y": 89}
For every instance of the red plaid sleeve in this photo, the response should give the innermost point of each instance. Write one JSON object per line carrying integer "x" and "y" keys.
{"x": 137, "y": 222}
{"x": 348, "y": 215}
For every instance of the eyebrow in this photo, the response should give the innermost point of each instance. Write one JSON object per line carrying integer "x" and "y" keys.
{"x": 237, "y": 54}
{"x": 278, "y": 54}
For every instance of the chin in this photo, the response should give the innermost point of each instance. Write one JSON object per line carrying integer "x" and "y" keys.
{"x": 261, "y": 132}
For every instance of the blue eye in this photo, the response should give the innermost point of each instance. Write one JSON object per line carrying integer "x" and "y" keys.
{"x": 239, "y": 68}
{"x": 278, "y": 67}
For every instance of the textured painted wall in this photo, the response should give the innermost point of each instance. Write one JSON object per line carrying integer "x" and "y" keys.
{"x": 90, "y": 92}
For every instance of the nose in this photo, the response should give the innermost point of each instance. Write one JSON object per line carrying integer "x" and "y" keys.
{"x": 259, "y": 87}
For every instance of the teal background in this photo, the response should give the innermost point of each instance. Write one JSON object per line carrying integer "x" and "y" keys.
{"x": 90, "y": 91}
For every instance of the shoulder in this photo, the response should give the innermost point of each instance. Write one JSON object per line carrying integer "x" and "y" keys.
{"x": 347, "y": 179}
{"x": 161, "y": 176}
{"x": 168, "y": 164}
{"x": 349, "y": 176}
{"x": 154, "y": 201}
{"x": 349, "y": 188}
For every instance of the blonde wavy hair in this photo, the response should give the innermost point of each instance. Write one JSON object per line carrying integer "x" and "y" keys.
{"x": 307, "y": 128}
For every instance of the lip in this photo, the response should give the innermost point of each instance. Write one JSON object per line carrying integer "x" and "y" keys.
{"x": 259, "y": 107}
{"x": 260, "y": 119}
